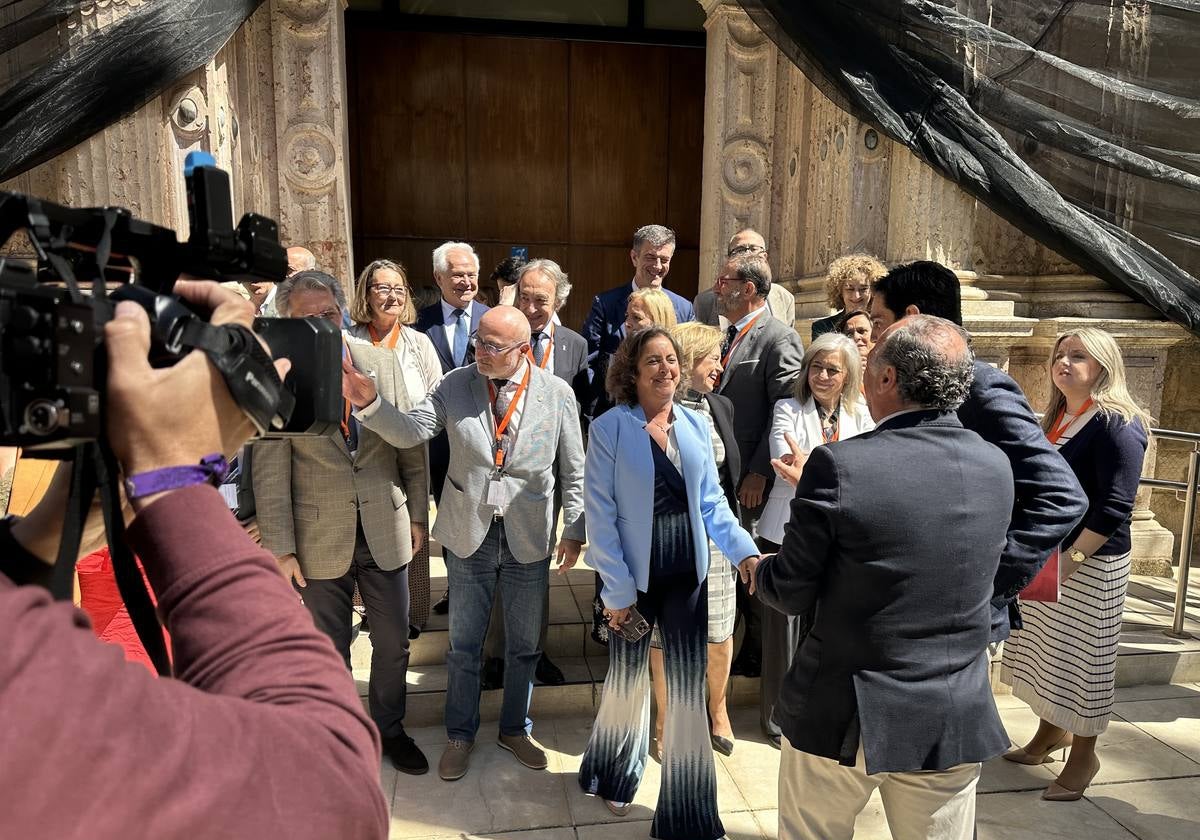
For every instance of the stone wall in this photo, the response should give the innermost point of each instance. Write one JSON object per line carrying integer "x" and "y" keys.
{"x": 268, "y": 107}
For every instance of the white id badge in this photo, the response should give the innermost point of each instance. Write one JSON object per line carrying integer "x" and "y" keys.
{"x": 497, "y": 494}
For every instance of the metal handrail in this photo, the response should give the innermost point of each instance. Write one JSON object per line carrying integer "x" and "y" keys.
{"x": 1189, "y": 521}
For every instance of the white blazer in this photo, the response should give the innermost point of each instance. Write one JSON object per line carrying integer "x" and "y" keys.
{"x": 804, "y": 424}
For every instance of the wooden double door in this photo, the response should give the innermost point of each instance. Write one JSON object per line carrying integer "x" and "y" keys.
{"x": 564, "y": 147}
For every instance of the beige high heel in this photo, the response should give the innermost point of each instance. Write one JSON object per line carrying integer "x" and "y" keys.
{"x": 1057, "y": 793}
{"x": 1021, "y": 756}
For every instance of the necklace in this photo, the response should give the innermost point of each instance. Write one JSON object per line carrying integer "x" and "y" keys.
{"x": 665, "y": 428}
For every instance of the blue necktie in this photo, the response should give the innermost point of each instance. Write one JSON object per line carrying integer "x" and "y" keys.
{"x": 460, "y": 338}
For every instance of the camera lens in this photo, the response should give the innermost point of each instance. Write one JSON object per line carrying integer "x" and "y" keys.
{"x": 41, "y": 417}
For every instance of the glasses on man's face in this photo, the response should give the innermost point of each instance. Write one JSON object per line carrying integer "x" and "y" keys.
{"x": 390, "y": 291}
{"x": 745, "y": 249}
{"x": 489, "y": 349}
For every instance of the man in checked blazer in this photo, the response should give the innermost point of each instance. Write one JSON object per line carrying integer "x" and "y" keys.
{"x": 762, "y": 361}
{"x": 345, "y": 507}
{"x": 515, "y": 447}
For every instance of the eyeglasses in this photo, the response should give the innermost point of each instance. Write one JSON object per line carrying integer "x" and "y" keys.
{"x": 745, "y": 249}
{"x": 389, "y": 291}
{"x": 729, "y": 281}
{"x": 487, "y": 348}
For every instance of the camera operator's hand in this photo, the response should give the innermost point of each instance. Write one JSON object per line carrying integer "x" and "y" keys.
{"x": 357, "y": 387}
{"x": 289, "y": 567}
{"x": 172, "y": 416}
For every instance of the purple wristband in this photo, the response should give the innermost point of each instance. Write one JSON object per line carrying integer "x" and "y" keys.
{"x": 212, "y": 469}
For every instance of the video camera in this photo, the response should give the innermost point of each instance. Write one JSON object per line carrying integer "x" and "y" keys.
{"x": 52, "y": 362}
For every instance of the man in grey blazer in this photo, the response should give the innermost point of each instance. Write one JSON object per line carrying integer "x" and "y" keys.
{"x": 761, "y": 359}
{"x": 542, "y": 287}
{"x": 890, "y": 689}
{"x": 349, "y": 507}
{"x": 515, "y": 446}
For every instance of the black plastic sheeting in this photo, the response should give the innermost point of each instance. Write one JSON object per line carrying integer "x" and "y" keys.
{"x": 69, "y": 69}
{"x": 1078, "y": 122}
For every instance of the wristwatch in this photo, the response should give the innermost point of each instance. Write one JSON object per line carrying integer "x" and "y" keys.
{"x": 1077, "y": 556}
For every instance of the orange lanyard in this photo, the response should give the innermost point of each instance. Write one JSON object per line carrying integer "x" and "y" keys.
{"x": 392, "y": 337}
{"x": 512, "y": 407}
{"x": 1057, "y": 431}
{"x": 738, "y": 340}
{"x": 546, "y": 355}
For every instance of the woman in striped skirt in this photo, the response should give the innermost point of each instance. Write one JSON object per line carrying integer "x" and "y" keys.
{"x": 653, "y": 500}
{"x": 1062, "y": 662}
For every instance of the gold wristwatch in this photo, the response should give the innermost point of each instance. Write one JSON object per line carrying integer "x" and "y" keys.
{"x": 1077, "y": 556}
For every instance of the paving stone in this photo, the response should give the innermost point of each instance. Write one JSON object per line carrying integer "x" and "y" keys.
{"x": 1153, "y": 810}
{"x": 1026, "y": 816}
{"x": 1174, "y": 722}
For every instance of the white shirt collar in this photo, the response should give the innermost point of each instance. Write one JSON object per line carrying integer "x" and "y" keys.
{"x": 265, "y": 306}
{"x": 750, "y": 316}
{"x": 518, "y": 375}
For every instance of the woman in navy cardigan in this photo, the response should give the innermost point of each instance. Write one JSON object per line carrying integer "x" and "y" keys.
{"x": 1063, "y": 662}
{"x": 653, "y": 501}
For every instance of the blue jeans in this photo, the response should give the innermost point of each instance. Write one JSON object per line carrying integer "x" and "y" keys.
{"x": 474, "y": 581}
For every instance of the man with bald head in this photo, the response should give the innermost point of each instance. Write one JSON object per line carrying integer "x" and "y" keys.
{"x": 890, "y": 687}
{"x": 781, "y": 303}
{"x": 515, "y": 447}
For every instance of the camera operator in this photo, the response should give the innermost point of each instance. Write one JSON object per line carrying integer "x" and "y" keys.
{"x": 260, "y": 734}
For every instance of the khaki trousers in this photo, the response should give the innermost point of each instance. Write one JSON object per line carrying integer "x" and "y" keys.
{"x": 819, "y": 799}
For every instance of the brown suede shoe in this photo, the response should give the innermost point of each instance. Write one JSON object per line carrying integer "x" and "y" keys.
{"x": 525, "y": 749}
{"x": 456, "y": 760}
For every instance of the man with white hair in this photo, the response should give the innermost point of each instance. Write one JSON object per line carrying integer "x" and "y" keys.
{"x": 450, "y": 323}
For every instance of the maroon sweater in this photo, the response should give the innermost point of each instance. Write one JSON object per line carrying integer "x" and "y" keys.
{"x": 261, "y": 734}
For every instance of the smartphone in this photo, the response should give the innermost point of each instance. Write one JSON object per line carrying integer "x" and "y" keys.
{"x": 634, "y": 627}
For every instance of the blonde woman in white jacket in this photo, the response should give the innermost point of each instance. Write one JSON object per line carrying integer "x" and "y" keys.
{"x": 828, "y": 406}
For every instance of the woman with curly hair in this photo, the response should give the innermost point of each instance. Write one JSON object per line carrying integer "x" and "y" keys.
{"x": 848, "y": 287}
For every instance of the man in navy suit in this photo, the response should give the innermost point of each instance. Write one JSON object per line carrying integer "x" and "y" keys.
{"x": 1049, "y": 500}
{"x": 653, "y": 247}
{"x": 450, "y": 323}
{"x": 890, "y": 689}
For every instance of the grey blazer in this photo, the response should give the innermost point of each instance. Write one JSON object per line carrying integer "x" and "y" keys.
{"x": 762, "y": 371}
{"x": 546, "y": 457}
{"x": 309, "y": 491}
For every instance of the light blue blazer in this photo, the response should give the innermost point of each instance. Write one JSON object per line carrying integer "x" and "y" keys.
{"x": 619, "y": 500}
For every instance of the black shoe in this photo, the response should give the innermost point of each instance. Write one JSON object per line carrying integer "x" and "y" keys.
{"x": 491, "y": 676}
{"x": 745, "y": 668}
{"x": 775, "y": 741}
{"x": 722, "y": 744}
{"x": 414, "y": 632}
{"x": 443, "y": 605}
{"x": 406, "y": 756}
{"x": 547, "y": 673}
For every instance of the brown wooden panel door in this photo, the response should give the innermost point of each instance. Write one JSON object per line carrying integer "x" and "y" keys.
{"x": 410, "y": 167}
{"x": 593, "y": 269}
{"x": 516, "y": 110}
{"x": 686, "y": 159}
{"x": 619, "y": 129}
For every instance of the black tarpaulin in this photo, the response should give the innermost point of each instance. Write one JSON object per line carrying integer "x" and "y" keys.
{"x": 1075, "y": 121}
{"x": 69, "y": 69}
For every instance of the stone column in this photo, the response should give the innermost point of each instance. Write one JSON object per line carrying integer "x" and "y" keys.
{"x": 308, "y": 41}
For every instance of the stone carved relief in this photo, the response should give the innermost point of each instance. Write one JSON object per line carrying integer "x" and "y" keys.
{"x": 311, "y": 156}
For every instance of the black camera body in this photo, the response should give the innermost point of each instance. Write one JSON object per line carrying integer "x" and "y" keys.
{"x": 52, "y": 361}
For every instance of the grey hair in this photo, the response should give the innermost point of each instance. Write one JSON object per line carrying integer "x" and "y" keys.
{"x": 930, "y": 372}
{"x": 562, "y": 286}
{"x": 307, "y": 281}
{"x": 752, "y": 268}
{"x": 851, "y": 361}
{"x": 441, "y": 256}
{"x": 656, "y": 235}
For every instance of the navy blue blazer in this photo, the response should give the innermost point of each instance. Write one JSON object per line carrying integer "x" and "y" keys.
{"x": 900, "y": 572}
{"x": 1049, "y": 500}
{"x": 429, "y": 321}
{"x": 604, "y": 326}
{"x": 1106, "y": 456}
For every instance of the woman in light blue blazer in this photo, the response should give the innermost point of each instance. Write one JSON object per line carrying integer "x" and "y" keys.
{"x": 653, "y": 500}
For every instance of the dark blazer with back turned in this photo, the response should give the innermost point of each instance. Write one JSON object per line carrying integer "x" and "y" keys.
{"x": 429, "y": 321}
{"x": 900, "y": 572}
{"x": 1049, "y": 500}
{"x": 762, "y": 370}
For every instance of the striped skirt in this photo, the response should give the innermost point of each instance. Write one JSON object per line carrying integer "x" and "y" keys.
{"x": 1063, "y": 662}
